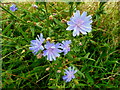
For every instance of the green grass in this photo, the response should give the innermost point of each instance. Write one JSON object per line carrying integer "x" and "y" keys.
{"x": 97, "y": 59}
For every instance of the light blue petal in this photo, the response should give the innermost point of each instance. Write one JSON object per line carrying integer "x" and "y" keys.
{"x": 70, "y": 27}
{"x": 84, "y": 28}
{"x": 53, "y": 56}
{"x": 64, "y": 77}
{"x": 73, "y": 76}
{"x": 77, "y": 14}
{"x": 75, "y": 71}
{"x": 82, "y": 31}
{"x": 87, "y": 22}
{"x": 89, "y": 17}
{"x": 31, "y": 48}
{"x": 66, "y": 71}
{"x": 33, "y": 41}
{"x": 49, "y": 57}
{"x": 70, "y": 23}
{"x": 69, "y": 68}
{"x": 68, "y": 80}
{"x": 56, "y": 54}
{"x": 76, "y": 31}
{"x": 83, "y": 15}
{"x": 45, "y": 52}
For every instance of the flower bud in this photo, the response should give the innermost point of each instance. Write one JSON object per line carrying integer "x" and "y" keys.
{"x": 65, "y": 66}
{"x": 28, "y": 21}
{"x": 39, "y": 55}
{"x": 55, "y": 64}
{"x": 63, "y": 21}
{"x": 66, "y": 60}
{"x": 47, "y": 69}
{"x": 22, "y": 51}
{"x": 51, "y": 79}
{"x": 48, "y": 39}
{"x": 7, "y": 22}
{"x": 34, "y": 23}
{"x": 80, "y": 44}
{"x": 111, "y": 78}
{"x": 74, "y": 56}
{"x": 58, "y": 71}
{"x": 50, "y": 17}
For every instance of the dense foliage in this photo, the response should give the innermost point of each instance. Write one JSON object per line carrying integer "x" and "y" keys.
{"x": 95, "y": 56}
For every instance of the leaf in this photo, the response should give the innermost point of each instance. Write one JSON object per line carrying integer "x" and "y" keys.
{"x": 81, "y": 84}
{"x": 24, "y": 34}
{"x": 83, "y": 58}
{"x": 87, "y": 55}
{"x": 53, "y": 87}
{"x": 36, "y": 76}
{"x": 59, "y": 23}
{"x": 89, "y": 78}
{"x": 7, "y": 28}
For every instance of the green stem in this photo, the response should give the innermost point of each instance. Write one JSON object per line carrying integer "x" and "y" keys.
{"x": 46, "y": 10}
{"x": 48, "y": 21}
{"x": 71, "y": 8}
{"x": 45, "y": 7}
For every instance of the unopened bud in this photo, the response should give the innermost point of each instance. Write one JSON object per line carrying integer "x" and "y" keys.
{"x": 58, "y": 71}
{"x": 63, "y": 21}
{"x": 111, "y": 78}
{"x": 22, "y": 51}
{"x": 7, "y": 22}
{"x": 28, "y": 21}
{"x": 34, "y": 23}
{"x": 39, "y": 55}
{"x": 80, "y": 44}
{"x": 74, "y": 56}
{"x": 92, "y": 14}
{"x": 47, "y": 69}
{"x": 66, "y": 60}
{"x": 48, "y": 39}
{"x": 50, "y": 17}
{"x": 65, "y": 66}
{"x": 51, "y": 79}
{"x": 78, "y": 77}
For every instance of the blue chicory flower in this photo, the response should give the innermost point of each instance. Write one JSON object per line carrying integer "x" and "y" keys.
{"x": 80, "y": 23}
{"x": 13, "y": 8}
{"x": 36, "y": 45}
{"x": 52, "y": 51}
{"x": 65, "y": 46}
{"x": 70, "y": 74}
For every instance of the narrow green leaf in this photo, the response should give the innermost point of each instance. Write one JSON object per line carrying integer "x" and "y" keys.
{"x": 89, "y": 78}
{"x": 7, "y": 28}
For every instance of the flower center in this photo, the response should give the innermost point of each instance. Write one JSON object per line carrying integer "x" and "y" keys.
{"x": 79, "y": 22}
{"x": 69, "y": 76}
{"x": 51, "y": 48}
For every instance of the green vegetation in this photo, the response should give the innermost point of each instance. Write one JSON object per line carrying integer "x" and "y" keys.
{"x": 97, "y": 58}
